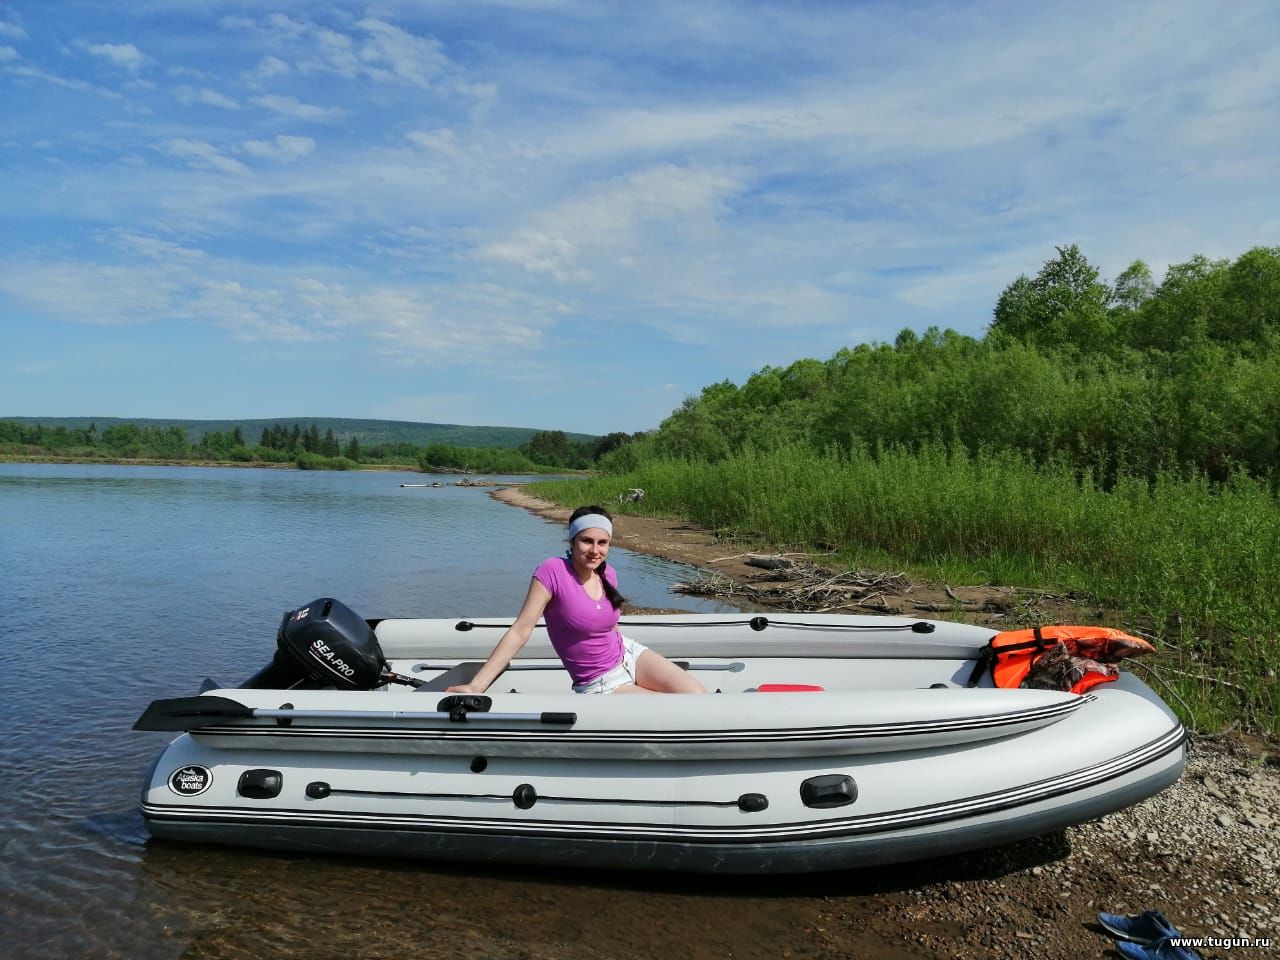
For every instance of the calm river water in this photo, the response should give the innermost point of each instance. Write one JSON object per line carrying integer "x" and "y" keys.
{"x": 122, "y": 584}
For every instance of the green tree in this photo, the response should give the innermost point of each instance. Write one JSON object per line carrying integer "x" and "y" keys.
{"x": 1134, "y": 287}
{"x": 123, "y": 439}
{"x": 548, "y": 447}
{"x": 1064, "y": 306}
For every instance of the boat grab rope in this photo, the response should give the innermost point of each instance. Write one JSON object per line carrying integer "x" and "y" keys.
{"x": 525, "y": 796}
{"x": 755, "y": 623}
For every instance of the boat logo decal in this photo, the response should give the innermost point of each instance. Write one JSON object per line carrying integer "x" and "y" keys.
{"x": 328, "y": 657}
{"x": 190, "y": 781}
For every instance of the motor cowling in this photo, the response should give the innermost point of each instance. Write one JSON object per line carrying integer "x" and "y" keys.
{"x": 332, "y": 645}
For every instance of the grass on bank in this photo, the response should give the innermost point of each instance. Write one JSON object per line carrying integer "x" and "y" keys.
{"x": 1197, "y": 565}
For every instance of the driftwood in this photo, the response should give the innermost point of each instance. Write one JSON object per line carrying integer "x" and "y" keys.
{"x": 801, "y": 585}
{"x": 771, "y": 562}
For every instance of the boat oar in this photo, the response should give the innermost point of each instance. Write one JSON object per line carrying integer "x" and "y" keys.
{"x": 191, "y": 713}
{"x": 187, "y": 713}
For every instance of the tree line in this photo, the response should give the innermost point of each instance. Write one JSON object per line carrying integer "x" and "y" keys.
{"x": 1127, "y": 378}
{"x": 128, "y": 441}
{"x": 304, "y": 446}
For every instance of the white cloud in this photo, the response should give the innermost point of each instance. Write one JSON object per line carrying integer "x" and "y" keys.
{"x": 282, "y": 148}
{"x": 12, "y": 31}
{"x": 267, "y": 68}
{"x": 152, "y": 247}
{"x": 199, "y": 154}
{"x": 210, "y": 98}
{"x": 8, "y": 55}
{"x": 389, "y": 52}
{"x": 89, "y": 293}
{"x": 616, "y": 221}
{"x": 375, "y": 48}
{"x": 124, "y": 55}
{"x": 473, "y": 326}
{"x": 292, "y": 107}
{"x": 67, "y": 83}
{"x": 442, "y": 140}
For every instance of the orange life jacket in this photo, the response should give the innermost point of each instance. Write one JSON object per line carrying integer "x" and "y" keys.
{"x": 1011, "y": 655}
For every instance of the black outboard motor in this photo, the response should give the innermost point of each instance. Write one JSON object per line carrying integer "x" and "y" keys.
{"x": 332, "y": 645}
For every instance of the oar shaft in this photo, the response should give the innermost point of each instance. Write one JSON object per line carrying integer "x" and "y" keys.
{"x": 472, "y": 716}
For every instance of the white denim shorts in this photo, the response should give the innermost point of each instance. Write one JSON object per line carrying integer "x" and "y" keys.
{"x": 623, "y": 673}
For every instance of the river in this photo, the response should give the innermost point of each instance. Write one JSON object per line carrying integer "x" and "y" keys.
{"x": 122, "y": 584}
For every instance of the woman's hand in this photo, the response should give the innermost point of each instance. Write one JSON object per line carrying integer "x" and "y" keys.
{"x": 465, "y": 688}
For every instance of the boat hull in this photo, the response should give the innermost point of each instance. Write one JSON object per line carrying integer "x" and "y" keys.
{"x": 879, "y": 768}
{"x": 853, "y": 840}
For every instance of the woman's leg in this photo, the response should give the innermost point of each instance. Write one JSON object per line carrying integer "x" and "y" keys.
{"x": 656, "y": 674}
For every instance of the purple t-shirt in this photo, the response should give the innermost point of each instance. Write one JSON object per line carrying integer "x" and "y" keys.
{"x": 583, "y": 631}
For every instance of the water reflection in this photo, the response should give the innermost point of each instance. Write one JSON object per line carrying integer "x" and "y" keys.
{"x": 122, "y": 584}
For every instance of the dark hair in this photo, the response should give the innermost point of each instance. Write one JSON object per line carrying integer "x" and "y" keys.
{"x": 610, "y": 591}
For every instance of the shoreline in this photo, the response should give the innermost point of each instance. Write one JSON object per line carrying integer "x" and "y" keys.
{"x": 139, "y": 462}
{"x": 1203, "y": 852}
{"x": 265, "y": 465}
{"x": 682, "y": 541}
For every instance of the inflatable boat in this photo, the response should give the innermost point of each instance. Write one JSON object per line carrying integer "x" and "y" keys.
{"x": 830, "y": 741}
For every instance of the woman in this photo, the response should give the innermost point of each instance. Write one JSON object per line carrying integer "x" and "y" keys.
{"x": 579, "y": 595}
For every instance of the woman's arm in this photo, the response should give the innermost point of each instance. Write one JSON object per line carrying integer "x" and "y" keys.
{"x": 513, "y": 640}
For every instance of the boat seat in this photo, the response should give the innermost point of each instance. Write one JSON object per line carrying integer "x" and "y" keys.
{"x": 462, "y": 673}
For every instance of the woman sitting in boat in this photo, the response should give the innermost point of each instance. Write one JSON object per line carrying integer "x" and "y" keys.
{"x": 578, "y": 593}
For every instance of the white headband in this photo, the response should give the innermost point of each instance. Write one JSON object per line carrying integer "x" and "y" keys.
{"x": 589, "y": 520}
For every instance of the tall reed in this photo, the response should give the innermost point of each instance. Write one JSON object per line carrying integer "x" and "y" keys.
{"x": 1197, "y": 563}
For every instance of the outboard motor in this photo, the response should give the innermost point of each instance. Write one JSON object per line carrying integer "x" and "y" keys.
{"x": 332, "y": 645}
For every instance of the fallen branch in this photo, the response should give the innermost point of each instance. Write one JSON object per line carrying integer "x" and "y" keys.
{"x": 801, "y": 585}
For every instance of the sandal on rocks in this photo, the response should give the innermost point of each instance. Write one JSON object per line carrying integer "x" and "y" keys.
{"x": 1144, "y": 928}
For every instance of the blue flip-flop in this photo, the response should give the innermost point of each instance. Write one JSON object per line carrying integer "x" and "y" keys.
{"x": 1144, "y": 928}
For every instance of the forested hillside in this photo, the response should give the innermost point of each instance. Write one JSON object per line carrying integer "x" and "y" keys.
{"x": 1128, "y": 377}
{"x": 368, "y": 433}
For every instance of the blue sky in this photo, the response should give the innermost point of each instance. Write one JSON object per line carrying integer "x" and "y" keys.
{"x": 572, "y": 214}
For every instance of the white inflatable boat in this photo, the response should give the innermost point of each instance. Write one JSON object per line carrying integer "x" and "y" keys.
{"x": 830, "y": 742}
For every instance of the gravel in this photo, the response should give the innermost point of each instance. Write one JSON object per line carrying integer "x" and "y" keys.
{"x": 1205, "y": 853}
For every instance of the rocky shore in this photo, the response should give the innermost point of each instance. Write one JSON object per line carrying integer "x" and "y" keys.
{"x": 1206, "y": 852}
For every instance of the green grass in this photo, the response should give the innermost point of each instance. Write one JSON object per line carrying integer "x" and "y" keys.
{"x": 1196, "y": 564}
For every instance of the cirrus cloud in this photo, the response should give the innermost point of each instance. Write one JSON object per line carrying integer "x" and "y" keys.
{"x": 292, "y": 107}
{"x": 123, "y": 55}
{"x": 281, "y": 148}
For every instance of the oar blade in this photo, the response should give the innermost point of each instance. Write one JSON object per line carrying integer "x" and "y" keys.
{"x": 188, "y": 713}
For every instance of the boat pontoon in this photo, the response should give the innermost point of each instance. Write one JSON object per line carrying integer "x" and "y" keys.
{"x": 830, "y": 741}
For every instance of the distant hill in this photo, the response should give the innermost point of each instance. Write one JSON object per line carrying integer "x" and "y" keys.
{"x": 368, "y": 432}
